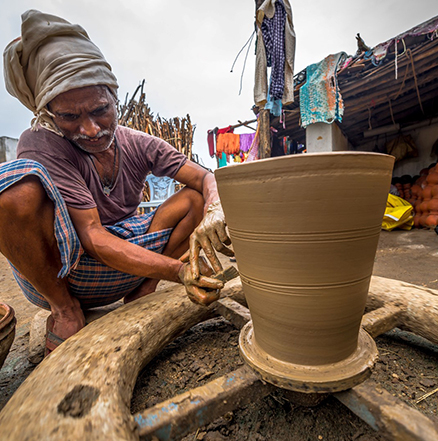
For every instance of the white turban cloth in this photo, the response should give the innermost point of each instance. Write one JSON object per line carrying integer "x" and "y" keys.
{"x": 51, "y": 57}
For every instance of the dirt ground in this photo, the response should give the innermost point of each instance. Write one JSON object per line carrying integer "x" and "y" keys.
{"x": 407, "y": 367}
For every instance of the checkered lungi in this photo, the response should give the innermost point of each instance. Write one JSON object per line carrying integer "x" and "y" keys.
{"x": 91, "y": 282}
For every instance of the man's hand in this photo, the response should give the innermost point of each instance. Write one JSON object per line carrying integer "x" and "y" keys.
{"x": 203, "y": 290}
{"x": 210, "y": 235}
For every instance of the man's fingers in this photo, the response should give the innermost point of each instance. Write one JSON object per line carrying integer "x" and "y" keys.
{"x": 204, "y": 267}
{"x": 213, "y": 259}
{"x": 204, "y": 243}
{"x": 219, "y": 246}
{"x": 185, "y": 258}
{"x": 195, "y": 248}
{"x": 209, "y": 282}
{"x": 201, "y": 297}
{"x": 223, "y": 235}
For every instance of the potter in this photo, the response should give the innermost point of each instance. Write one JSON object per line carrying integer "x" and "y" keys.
{"x": 68, "y": 205}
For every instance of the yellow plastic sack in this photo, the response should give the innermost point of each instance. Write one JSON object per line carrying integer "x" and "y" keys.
{"x": 398, "y": 214}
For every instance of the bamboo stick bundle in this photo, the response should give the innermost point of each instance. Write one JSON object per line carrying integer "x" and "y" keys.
{"x": 136, "y": 114}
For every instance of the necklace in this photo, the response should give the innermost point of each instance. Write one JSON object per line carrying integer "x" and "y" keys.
{"x": 107, "y": 185}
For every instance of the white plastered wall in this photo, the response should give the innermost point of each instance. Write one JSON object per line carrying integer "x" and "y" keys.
{"x": 424, "y": 138}
{"x": 8, "y": 148}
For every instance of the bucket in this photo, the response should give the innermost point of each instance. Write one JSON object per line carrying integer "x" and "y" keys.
{"x": 7, "y": 330}
{"x": 305, "y": 230}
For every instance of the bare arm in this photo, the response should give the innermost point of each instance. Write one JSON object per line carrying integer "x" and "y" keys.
{"x": 211, "y": 234}
{"x": 118, "y": 253}
{"x": 199, "y": 179}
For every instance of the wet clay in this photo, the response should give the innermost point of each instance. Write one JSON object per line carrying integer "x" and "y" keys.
{"x": 331, "y": 377}
{"x": 305, "y": 230}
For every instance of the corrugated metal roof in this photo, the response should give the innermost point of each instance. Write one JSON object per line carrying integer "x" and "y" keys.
{"x": 372, "y": 95}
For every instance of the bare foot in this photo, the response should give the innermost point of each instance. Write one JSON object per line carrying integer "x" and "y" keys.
{"x": 147, "y": 287}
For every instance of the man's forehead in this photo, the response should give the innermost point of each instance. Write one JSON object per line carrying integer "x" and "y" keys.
{"x": 81, "y": 97}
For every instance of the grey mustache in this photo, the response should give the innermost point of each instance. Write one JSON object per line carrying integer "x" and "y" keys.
{"x": 99, "y": 135}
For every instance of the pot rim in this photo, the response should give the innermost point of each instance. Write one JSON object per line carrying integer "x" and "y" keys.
{"x": 8, "y": 316}
{"x": 247, "y": 166}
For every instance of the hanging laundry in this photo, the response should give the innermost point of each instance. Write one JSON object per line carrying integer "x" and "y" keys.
{"x": 228, "y": 129}
{"x": 246, "y": 140}
{"x": 320, "y": 97}
{"x": 273, "y": 37}
{"x": 211, "y": 136}
{"x": 228, "y": 143}
{"x": 276, "y": 48}
{"x": 253, "y": 153}
{"x": 274, "y": 106}
{"x": 222, "y": 160}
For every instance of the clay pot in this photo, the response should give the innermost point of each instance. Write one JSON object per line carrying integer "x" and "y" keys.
{"x": 433, "y": 206}
{"x": 400, "y": 190}
{"x": 423, "y": 207}
{"x": 7, "y": 330}
{"x": 423, "y": 219}
{"x": 421, "y": 181}
{"x": 416, "y": 190}
{"x": 432, "y": 178}
{"x": 305, "y": 230}
{"x": 427, "y": 193}
{"x": 431, "y": 221}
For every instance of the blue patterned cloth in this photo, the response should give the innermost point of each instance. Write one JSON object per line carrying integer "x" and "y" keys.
{"x": 320, "y": 96}
{"x": 91, "y": 282}
{"x": 273, "y": 37}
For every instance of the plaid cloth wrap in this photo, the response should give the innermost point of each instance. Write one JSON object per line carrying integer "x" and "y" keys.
{"x": 273, "y": 37}
{"x": 93, "y": 283}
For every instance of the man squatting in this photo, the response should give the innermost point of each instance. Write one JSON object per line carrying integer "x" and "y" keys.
{"x": 68, "y": 204}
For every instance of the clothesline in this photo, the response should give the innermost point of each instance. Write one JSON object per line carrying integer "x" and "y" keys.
{"x": 245, "y": 123}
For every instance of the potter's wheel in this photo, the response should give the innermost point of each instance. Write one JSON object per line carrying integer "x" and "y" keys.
{"x": 332, "y": 377}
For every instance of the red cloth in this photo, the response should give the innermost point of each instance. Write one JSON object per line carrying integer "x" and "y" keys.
{"x": 228, "y": 129}
{"x": 210, "y": 142}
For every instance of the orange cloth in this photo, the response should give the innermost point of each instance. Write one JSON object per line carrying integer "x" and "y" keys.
{"x": 228, "y": 143}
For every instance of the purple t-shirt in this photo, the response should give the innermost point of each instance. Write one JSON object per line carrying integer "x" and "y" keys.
{"x": 78, "y": 182}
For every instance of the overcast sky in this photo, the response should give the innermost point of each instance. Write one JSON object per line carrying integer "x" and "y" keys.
{"x": 184, "y": 49}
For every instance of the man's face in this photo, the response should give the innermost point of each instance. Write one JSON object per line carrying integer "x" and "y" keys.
{"x": 87, "y": 117}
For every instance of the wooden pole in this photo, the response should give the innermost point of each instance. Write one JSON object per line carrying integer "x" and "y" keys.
{"x": 264, "y": 117}
{"x": 265, "y": 134}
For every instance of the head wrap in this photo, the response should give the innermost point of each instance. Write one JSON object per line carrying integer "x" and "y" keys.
{"x": 52, "y": 56}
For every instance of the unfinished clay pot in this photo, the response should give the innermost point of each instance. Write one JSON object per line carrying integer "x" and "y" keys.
{"x": 7, "y": 330}
{"x": 305, "y": 230}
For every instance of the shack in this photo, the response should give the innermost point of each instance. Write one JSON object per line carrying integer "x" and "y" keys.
{"x": 388, "y": 90}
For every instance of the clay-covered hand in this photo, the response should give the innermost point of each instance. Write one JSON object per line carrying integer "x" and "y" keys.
{"x": 210, "y": 235}
{"x": 203, "y": 290}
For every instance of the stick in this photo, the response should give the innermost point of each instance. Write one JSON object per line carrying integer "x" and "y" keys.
{"x": 426, "y": 396}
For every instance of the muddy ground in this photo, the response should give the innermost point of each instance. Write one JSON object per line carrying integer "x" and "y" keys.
{"x": 407, "y": 368}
